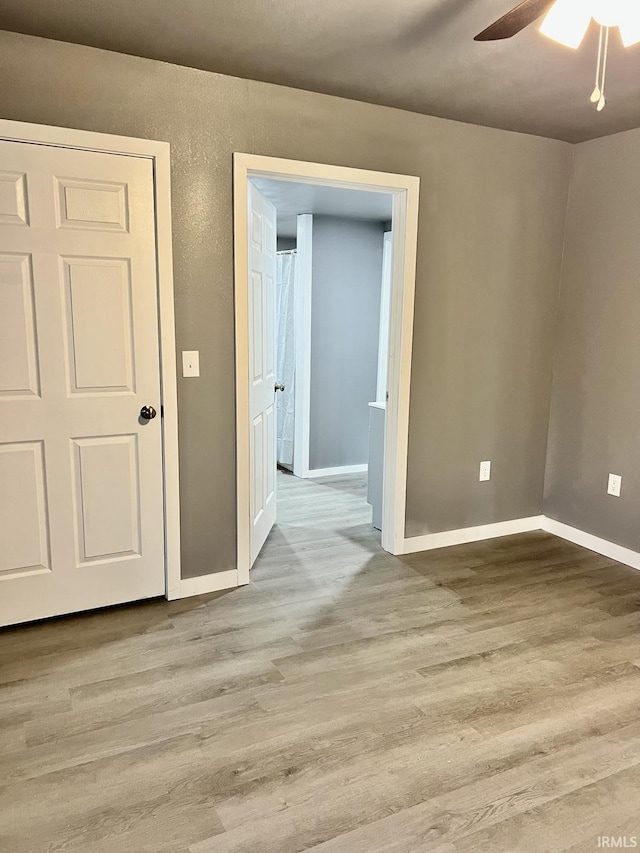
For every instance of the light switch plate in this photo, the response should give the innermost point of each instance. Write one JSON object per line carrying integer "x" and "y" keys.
{"x": 615, "y": 485}
{"x": 190, "y": 363}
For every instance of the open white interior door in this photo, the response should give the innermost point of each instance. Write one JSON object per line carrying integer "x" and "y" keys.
{"x": 81, "y": 501}
{"x": 262, "y": 361}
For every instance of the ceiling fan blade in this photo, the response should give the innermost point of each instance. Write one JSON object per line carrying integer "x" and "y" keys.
{"x": 515, "y": 20}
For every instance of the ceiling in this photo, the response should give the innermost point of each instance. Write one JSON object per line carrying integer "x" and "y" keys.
{"x": 291, "y": 198}
{"x": 415, "y": 54}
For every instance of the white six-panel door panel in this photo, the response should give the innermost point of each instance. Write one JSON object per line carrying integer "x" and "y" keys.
{"x": 81, "y": 507}
{"x": 262, "y": 367}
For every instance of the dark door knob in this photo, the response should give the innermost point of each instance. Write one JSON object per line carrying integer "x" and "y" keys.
{"x": 147, "y": 413}
{"x": 279, "y": 386}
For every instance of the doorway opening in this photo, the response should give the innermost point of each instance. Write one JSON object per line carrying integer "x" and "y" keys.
{"x": 345, "y": 265}
{"x": 332, "y": 290}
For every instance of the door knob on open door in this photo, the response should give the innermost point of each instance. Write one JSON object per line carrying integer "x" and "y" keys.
{"x": 279, "y": 386}
{"x": 147, "y": 413}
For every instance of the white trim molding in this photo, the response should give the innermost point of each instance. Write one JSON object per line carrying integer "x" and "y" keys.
{"x": 450, "y": 538}
{"x": 159, "y": 154}
{"x": 404, "y": 244}
{"x": 465, "y": 535}
{"x": 333, "y": 472}
{"x": 302, "y": 336}
{"x": 405, "y": 190}
{"x": 593, "y": 543}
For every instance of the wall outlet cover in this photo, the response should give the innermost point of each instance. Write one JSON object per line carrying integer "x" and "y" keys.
{"x": 615, "y": 485}
{"x": 485, "y": 471}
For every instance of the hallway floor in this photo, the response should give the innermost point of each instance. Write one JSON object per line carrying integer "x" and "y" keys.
{"x": 329, "y": 510}
{"x": 480, "y": 698}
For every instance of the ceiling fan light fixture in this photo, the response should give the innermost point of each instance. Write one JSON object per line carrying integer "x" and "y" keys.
{"x": 567, "y": 22}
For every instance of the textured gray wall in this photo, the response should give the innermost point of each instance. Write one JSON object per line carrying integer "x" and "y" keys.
{"x": 595, "y": 421}
{"x": 345, "y": 327}
{"x": 490, "y": 239}
{"x": 285, "y": 244}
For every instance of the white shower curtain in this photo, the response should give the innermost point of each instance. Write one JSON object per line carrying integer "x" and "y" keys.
{"x": 285, "y": 342}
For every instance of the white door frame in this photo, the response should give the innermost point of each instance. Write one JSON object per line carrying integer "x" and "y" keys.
{"x": 405, "y": 190}
{"x": 159, "y": 153}
{"x": 302, "y": 336}
{"x": 385, "y": 305}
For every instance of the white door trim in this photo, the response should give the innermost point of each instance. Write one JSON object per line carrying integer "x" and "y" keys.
{"x": 302, "y": 312}
{"x": 385, "y": 304}
{"x": 159, "y": 153}
{"x": 405, "y": 190}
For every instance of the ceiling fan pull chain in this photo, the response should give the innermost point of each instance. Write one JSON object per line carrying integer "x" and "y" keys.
{"x": 603, "y": 102}
{"x": 596, "y": 94}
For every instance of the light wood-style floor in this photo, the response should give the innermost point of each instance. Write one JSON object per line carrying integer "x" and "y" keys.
{"x": 482, "y": 698}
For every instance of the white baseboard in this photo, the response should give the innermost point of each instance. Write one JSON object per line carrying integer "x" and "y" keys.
{"x": 523, "y": 525}
{"x": 208, "y": 583}
{"x": 332, "y": 472}
{"x": 593, "y": 543}
{"x": 229, "y": 579}
{"x": 471, "y": 534}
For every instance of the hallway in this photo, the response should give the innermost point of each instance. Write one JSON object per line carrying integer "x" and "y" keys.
{"x": 318, "y": 523}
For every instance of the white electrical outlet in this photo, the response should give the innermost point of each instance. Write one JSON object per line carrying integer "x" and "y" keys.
{"x": 485, "y": 471}
{"x": 190, "y": 363}
{"x": 615, "y": 485}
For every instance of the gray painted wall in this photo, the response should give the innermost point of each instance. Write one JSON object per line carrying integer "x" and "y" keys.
{"x": 492, "y": 210}
{"x": 285, "y": 244}
{"x": 595, "y": 416}
{"x": 345, "y": 327}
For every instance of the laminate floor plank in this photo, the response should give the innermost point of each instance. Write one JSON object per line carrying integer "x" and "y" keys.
{"x": 579, "y": 818}
{"x": 477, "y": 698}
{"x": 404, "y": 801}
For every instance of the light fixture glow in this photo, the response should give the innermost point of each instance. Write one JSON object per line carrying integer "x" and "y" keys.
{"x": 567, "y": 22}
{"x": 630, "y": 26}
{"x": 609, "y": 13}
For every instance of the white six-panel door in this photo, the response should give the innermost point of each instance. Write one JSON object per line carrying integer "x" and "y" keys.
{"x": 81, "y": 506}
{"x": 262, "y": 351}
